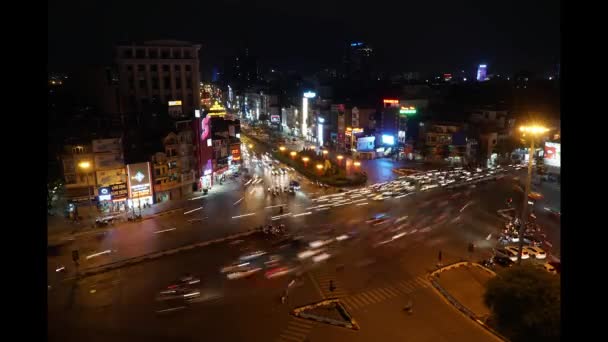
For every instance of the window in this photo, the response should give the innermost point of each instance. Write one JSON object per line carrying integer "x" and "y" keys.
{"x": 176, "y": 67}
{"x": 187, "y": 54}
{"x": 188, "y": 67}
{"x": 167, "y": 82}
{"x": 128, "y": 53}
{"x": 157, "y": 173}
{"x": 131, "y": 83}
{"x": 494, "y": 142}
{"x": 188, "y": 83}
{"x": 140, "y": 53}
{"x": 142, "y": 83}
{"x": 153, "y": 53}
{"x": 178, "y": 83}
{"x": 154, "y": 82}
{"x": 141, "y": 67}
{"x": 165, "y": 67}
{"x": 153, "y": 67}
{"x": 164, "y": 54}
{"x": 129, "y": 67}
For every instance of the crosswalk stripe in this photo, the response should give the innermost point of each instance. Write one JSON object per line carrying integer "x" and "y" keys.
{"x": 383, "y": 293}
{"x": 294, "y": 333}
{"x": 409, "y": 288}
{"x": 422, "y": 283}
{"x": 301, "y": 323}
{"x": 348, "y": 304}
{"x": 297, "y": 328}
{"x": 392, "y": 291}
{"x": 375, "y": 295}
{"x": 366, "y": 299}
{"x": 287, "y": 337}
{"x": 357, "y": 301}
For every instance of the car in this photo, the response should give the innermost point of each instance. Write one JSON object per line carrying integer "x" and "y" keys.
{"x": 251, "y": 255}
{"x": 535, "y": 195}
{"x": 294, "y": 185}
{"x": 524, "y": 253}
{"x": 503, "y": 252}
{"x": 503, "y": 261}
{"x": 243, "y": 273}
{"x": 532, "y": 240}
{"x": 550, "y": 268}
{"x": 536, "y": 252}
{"x": 276, "y": 272}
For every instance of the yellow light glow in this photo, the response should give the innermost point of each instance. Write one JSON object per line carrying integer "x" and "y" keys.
{"x": 292, "y": 153}
{"x": 282, "y": 148}
{"x": 305, "y": 159}
{"x": 357, "y": 163}
{"x": 175, "y": 103}
{"x": 325, "y": 151}
{"x": 250, "y": 145}
{"x": 534, "y": 129}
{"x": 319, "y": 166}
{"x": 84, "y": 165}
{"x": 340, "y": 157}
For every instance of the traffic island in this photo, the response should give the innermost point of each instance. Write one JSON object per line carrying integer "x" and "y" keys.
{"x": 462, "y": 284}
{"x": 330, "y": 311}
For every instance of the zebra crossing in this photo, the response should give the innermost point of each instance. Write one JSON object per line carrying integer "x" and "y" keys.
{"x": 296, "y": 331}
{"x": 381, "y": 294}
{"x": 325, "y": 279}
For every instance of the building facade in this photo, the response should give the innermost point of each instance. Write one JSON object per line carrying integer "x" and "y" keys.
{"x": 160, "y": 75}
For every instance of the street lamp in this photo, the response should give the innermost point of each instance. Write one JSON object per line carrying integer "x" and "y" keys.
{"x": 85, "y": 165}
{"x": 305, "y": 160}
{"x": 319, "y": 167}
{"x": 292, "y": 154}
{"x": 340, "y": 157}
{"x": 250, "y": 145}
{"x": 533, "y": 131}
{"x": 357, "y": 163}
{"x": 325, "y": 152}
{"x": 282, "y": 148}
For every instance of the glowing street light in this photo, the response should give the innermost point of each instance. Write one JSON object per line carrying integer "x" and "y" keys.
{"x": 534, "y": 131}
{"x": 293, "y": 154}
{"x": 320, "y": 167}
{"x": 340, "y": 157}
{"x": 250, "y": 145}
{"x": 305, "y": 160}
{"x": 282, "y": 148}
{"x": 85, "y": 165}
{"x": 357, "y": 163}
{"x": 325, "y": 152}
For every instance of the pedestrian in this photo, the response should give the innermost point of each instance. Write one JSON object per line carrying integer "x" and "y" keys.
{"x": 408, "y": 307}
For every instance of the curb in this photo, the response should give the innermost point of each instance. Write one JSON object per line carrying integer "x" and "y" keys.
{"x": 350, "y": 325}
{"x": 155, "y": 255}
{"x": 432, "y": 278}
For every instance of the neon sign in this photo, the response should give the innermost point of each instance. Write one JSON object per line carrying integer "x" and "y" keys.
{"x": 408, "y": 110}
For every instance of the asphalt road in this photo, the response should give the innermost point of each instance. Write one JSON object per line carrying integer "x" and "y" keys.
{"x": 372, "y": 271}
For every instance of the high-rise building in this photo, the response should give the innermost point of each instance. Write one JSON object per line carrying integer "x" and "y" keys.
{"x": 357, "y": 61}
{"x": 482, "y": 70}
{"x": 241, "y": 71}
{"x": 160, "y": 75}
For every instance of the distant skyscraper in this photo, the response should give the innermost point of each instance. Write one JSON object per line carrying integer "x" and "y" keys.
{"x": 481, "y": 72}
{"x": 357, "y": 61}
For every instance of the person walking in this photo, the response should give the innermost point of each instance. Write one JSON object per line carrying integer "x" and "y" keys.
{"x": 408, "y": 307}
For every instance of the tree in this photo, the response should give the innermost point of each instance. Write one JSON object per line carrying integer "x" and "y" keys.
{"x": 525, "y": 303}
{"x": 504, "y": 147}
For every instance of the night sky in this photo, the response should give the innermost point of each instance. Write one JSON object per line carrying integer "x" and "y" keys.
{"x": 425, "y": 36}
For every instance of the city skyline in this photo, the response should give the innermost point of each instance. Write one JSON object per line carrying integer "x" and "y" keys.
{"x": 507, "y": 37}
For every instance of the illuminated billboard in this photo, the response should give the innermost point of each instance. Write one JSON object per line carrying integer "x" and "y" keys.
{"x": 366, "y": 143}
{"x": 139, "y": 180}
{"x": 310, "y": 94}
{"x": 388, "y": 139}
{"x": 553, "y": 154}
{"x": 407, "y": 110}
{"x": 390, "y": 101}
{"x": 275, "y": 118}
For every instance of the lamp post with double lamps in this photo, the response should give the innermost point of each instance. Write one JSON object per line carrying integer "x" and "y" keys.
{"x": 532, "y": 131}
{"x": 85, "y": 165}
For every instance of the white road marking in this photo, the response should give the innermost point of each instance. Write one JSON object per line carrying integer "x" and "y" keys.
{"x": 466, "y": 205}
{"x": 244, "y": 215}
{"x": 239, "y": 201}
{"x": 191, "y": 211}
{"x": 165, "y": 230}
{"x": 98, "y": 254}
{"x": 303, "y": 214}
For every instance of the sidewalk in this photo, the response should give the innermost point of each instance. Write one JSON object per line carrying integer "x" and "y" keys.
{"x": 59, "y": 227}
